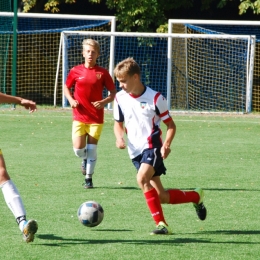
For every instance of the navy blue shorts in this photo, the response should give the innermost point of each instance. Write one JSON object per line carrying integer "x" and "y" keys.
{"x": 152, "y": 157}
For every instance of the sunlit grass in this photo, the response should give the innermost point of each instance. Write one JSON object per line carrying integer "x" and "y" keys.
{"x": 218, "y": 153}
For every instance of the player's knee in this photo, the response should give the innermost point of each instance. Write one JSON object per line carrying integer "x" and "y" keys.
{"x": 80, "y": 152}
{"x": 3, "y": 175}
{"x": 142, "y": 181}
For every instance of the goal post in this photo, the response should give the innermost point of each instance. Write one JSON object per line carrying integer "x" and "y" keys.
{"x": 192, "y": 26}
{"x": 196, "y": 72}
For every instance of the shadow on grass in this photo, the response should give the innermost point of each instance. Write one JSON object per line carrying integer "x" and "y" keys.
{"x": 117, "y": 188}
{"x": 60, "y": 241}
{"x": 224, "y": 189}
{"x": 232, "y": 232}
{"x": 216, "y": 189}
{"x": 187, "y": 189}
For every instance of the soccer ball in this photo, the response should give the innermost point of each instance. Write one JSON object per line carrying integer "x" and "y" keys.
{"x": 90, "y": 213}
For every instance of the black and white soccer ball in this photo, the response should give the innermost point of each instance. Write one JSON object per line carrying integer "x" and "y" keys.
{"x": 90, "y": 213}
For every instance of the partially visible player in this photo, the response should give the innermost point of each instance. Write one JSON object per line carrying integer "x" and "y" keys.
{"x": 10, "y": 192}
{"x": 89, "y": 81}
{"x": 138, "y": 111}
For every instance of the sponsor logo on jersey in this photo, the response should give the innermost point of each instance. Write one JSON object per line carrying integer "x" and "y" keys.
{"x": 98, "y": 75}
{"x": 143, "y": 104}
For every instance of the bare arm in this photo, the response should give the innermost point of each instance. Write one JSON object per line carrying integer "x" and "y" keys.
{"x": 73, "y": 102}
{"x": 27, "y": 104}
{"x": 170, "y": 133}
{"x": 119, "y": 132}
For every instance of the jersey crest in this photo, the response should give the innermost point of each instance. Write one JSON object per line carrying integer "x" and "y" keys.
{"x": 98, "y": 75}
{"x": 143, "y": 104}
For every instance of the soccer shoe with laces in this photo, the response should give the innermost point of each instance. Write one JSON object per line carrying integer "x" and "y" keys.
{"x": 200, "y": 208}
{"x": 84, "y": 166}
{"x": 88, "y": 183}
{"x": 161, "y": 229}
{"x": 30, "y": 228}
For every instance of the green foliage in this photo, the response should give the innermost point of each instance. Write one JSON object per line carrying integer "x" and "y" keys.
{"x": 162, "y": 28}
{"x": 248, "y": 4}
{"x": 132, "y": 15}
{"x": 222, "y": 3}
{"x": 50, "y": 5}
{"x": 145, "y": 15}
{"x": 28, "y": 4}
{"x": 138, "y": 15}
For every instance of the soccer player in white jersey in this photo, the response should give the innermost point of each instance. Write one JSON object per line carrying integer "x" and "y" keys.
{"x": 10, "y": 192}
{"x": 138, "y": 111}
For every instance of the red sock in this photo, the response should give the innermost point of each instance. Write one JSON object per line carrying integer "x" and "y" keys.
{"x": 154, "y": 204}
{"x": 179, "y": 196}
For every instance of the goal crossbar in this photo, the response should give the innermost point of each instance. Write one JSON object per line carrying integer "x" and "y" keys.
{"x": 216, "y": 22}
{"x": 60, "y": 16}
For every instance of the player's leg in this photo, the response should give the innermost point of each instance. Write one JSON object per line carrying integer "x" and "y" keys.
{"x": 80, "y": 150}
{"x": 94, "y": 132}
{"x": 15, "y": 204}
{"x": 91, "y": 161}
{"x": 144, "y": 176}
{"x": 176, "y": 196}
{"x": 158, "y": 191}
{"x": 79, "y": 135}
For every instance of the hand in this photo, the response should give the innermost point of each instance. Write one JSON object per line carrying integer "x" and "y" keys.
{"x": 120, "y": 143}
{"x": 74, "y": 104}
{"x": 165, "y": 151}
{"x": 28, "y": 104}
{"x": 98, "y": 104}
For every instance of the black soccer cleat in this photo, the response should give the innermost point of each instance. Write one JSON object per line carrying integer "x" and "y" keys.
{"x": 161, "y": 229}
{"x": 200, "y": 208}
{"x": 88, "y": 184}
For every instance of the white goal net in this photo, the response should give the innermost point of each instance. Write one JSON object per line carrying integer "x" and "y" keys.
{"x": 209, "y": 73}
{"x": 191, "y": 26}
{"x": 37, "y": 48}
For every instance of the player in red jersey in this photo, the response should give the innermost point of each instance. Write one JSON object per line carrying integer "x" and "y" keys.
{"x": 87, "y": 102}
{"x": 138, "y": 111}
{"x": 11, "y": 194}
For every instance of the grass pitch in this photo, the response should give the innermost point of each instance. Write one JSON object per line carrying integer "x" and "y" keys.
{"x": 217, "y": 153}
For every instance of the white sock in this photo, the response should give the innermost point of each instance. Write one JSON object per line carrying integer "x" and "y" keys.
{"x": 13, "y": 199}
{"x": 91, "y": 160}
{"x": 21, "y": 224}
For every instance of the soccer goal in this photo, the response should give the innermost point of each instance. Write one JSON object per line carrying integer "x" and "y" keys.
{"x": 38, "y": 40}
{"x": 226, "y": 27}
{"x": 196, "y": 72}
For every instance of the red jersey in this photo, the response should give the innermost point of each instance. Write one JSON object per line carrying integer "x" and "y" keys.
{"x": 89, "y": 85}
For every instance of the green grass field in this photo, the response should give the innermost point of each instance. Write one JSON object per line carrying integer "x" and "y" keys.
{"x": 220, "y": 154}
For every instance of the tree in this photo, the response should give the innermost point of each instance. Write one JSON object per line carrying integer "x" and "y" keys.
{"x": 147, "y": 15}
{"x": 248, "y": 4}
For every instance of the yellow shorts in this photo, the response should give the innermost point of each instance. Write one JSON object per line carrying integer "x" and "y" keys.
{"x": 79, "y": 129}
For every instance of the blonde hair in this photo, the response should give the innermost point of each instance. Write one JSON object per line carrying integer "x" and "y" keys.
{"x": 127, "y": 67}
{"x": 92, "y": 43}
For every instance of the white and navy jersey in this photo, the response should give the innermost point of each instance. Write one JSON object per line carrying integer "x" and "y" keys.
{"x": 141, "y": 116}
